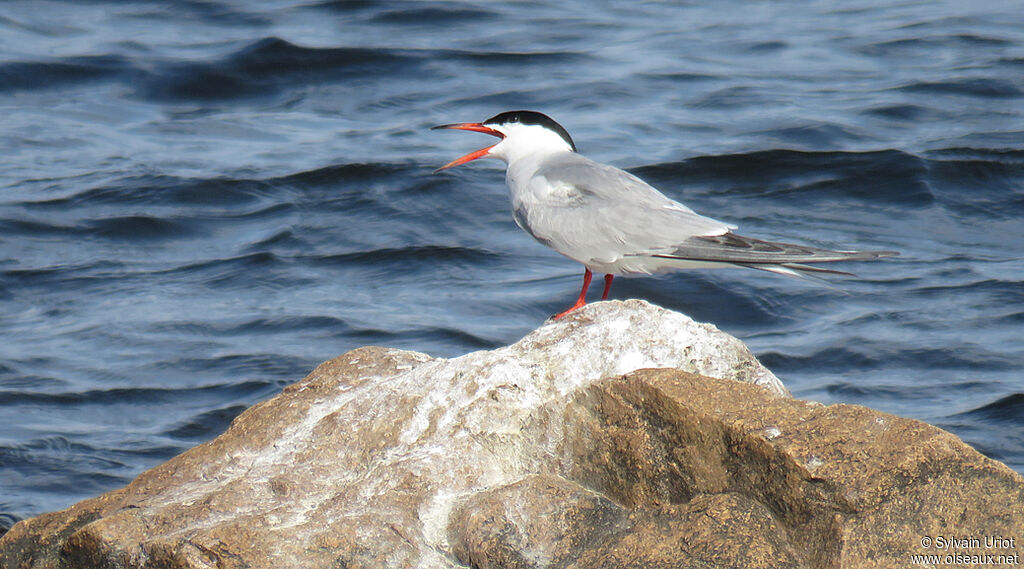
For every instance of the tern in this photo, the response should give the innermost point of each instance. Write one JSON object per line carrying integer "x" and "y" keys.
{"x": 615, "y": 223}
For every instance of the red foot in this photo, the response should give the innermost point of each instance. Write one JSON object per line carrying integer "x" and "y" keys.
{"x": 578, "y": 304}
{"x": 582, "y": 300}
{"x": 583, "y": 296}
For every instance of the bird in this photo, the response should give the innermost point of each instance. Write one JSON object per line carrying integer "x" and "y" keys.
{"x": 613, "y": 222}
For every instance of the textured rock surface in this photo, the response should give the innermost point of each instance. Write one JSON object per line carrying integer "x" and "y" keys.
{"x": 780, "y": 482}
{"x": 541, "y": 455}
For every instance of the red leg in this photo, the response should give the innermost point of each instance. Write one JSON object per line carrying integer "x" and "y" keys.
{"x": 583, "y": 296}
{"x": 607, "y": 286}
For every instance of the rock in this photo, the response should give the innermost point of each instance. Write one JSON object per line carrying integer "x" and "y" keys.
{"x": 717, "y": 473}
{"x": 546, "y": 522}
{"x": 540, "y": 521}
{"x": 552, "y": 452}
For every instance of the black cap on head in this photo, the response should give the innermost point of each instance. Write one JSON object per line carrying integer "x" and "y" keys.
{"x": 532, "y": 117}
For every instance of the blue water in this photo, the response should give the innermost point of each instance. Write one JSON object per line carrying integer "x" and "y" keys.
{"x": 201, "y": 200}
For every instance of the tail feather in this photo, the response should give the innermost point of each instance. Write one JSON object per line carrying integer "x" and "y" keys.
{"x": 794, "y": 269}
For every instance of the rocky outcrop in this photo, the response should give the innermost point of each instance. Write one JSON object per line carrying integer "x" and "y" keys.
{"x": 553, "y": 452}
{"x": 688, "y": 471}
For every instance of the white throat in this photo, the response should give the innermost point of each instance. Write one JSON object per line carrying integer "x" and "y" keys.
{"x": 523, "y": 140}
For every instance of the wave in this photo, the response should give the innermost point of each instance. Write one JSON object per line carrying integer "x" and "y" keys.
{"x": 32, "y": 75}
{"x": 161, "y": 190}
{"x": 992, "y": 176}
{"x": 984, "y": 87}
{"x": 1009, "y": 409}
{"x": 137, "y": 395}
{"x": 206, "y": 425}
{"x": 885, "y": 176}
{"x": 438, "y": 14}
{"x": 407, "y": 256}
{"x": 131, "y": 227}
{"x": 928, "y": 45}
{"x": 261, "y": 68}
{"x": 874, "y": 355}
{"x": 267, "y": 67}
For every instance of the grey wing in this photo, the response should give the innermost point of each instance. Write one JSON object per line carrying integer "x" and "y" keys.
{"x": 733, "y": 248}
{"x": 596, "y": 213}
{"x": 773, "y": 256}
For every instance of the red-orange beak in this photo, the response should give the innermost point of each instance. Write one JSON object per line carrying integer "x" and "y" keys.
{"x": 475, "y": 127}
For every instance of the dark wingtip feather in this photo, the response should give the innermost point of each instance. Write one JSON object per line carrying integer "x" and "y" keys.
{"x": 812, "y": 269}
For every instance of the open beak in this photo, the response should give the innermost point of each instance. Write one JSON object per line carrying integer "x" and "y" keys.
{"x": 475, "y": 127}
